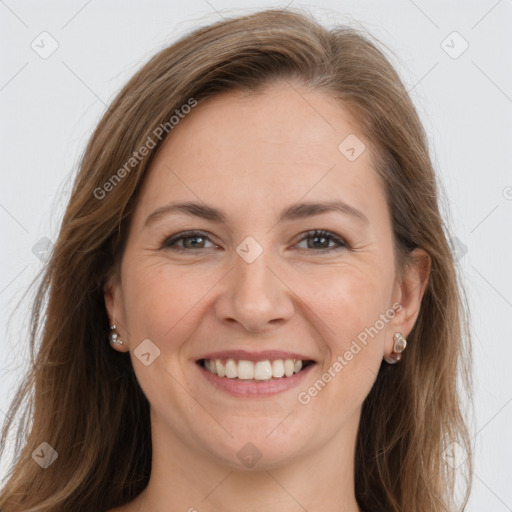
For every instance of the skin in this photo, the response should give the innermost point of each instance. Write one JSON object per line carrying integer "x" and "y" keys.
{"x": 252, "y": 156}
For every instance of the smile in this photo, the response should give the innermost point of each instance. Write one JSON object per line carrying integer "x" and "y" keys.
{"x": 252, "y": 379}
{"x": 257, "y": 371}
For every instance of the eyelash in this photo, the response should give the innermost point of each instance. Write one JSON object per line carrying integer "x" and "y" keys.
{"x": 169, "y": 243}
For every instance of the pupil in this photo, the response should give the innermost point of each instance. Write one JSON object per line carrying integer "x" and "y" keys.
{"x": 316, "y": 238}
{"x": 194, "y": 238}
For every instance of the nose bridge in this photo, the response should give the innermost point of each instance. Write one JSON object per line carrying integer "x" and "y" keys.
{"x": 253, "y": 276}
{"x": 254, "y": 296}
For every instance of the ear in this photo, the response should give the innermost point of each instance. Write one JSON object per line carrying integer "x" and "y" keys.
{"x": 409, "y": 293}
{"x": 113, "y": 295}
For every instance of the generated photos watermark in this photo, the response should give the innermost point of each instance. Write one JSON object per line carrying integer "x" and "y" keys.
{"x": 150, "y": 143}
{"x": 304, "y": 397}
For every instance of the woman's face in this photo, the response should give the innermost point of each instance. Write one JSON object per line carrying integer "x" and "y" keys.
{"x": 254, "y": 287}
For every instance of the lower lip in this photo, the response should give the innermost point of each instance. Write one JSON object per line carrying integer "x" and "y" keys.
{"x": 239, "y": 388}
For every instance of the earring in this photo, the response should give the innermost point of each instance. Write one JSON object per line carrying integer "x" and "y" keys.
{"x": 114, "y": 336}
{"x": 398, "y": 347}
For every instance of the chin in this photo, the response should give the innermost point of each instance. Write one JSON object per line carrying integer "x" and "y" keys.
{"x": 259, "y": 449}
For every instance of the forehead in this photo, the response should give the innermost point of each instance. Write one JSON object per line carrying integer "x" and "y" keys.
{"x": 283, "y": 121}
{"x": 273, "y": 147}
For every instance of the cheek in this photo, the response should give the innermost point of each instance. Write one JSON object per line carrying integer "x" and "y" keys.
{"x": 163, "y": 300}
{"x": 163, "y": 304}
{"x": 351, "y": 306}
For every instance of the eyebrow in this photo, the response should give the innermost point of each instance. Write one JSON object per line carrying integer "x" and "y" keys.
{"x": 293, "y": 212}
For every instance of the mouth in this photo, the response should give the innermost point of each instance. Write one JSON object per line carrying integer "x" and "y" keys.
{"x": 252, "y": 376}
{"x": 244, "y": 370}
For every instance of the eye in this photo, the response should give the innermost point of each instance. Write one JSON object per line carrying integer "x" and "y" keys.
{"x": 321, "y": 238}
{"x": 189, "y": 239}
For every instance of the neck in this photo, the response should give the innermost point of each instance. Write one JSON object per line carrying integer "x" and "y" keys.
{"x": 184, "y": 479}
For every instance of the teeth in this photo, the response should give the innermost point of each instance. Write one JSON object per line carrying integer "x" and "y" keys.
{"x": 277, "y": 368}
{"x": 288, "y": 367}
{"x": 220, "y": 368}
{"x": 263, "y": 370}
{"x": 212, "y": 366}
{"x": 246, "y": 370}
{"x": 231, "y": 369}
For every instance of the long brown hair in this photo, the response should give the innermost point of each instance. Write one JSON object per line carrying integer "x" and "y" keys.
{"x": 82, "y": 398}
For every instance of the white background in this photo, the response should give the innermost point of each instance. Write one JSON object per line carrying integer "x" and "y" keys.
{"x": 49, "y": 108}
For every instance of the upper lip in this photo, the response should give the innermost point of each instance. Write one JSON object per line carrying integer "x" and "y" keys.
{"x": 255, "y": 356}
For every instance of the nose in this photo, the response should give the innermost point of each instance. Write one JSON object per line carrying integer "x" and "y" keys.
{"x": 255, "y": 296}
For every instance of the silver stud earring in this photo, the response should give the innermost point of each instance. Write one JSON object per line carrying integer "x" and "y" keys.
{"x": 399, "y": 344}
{"x": 114, "y": 336}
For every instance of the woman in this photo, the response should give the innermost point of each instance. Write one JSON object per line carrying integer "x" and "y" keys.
{"x": 252, "y": 302}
